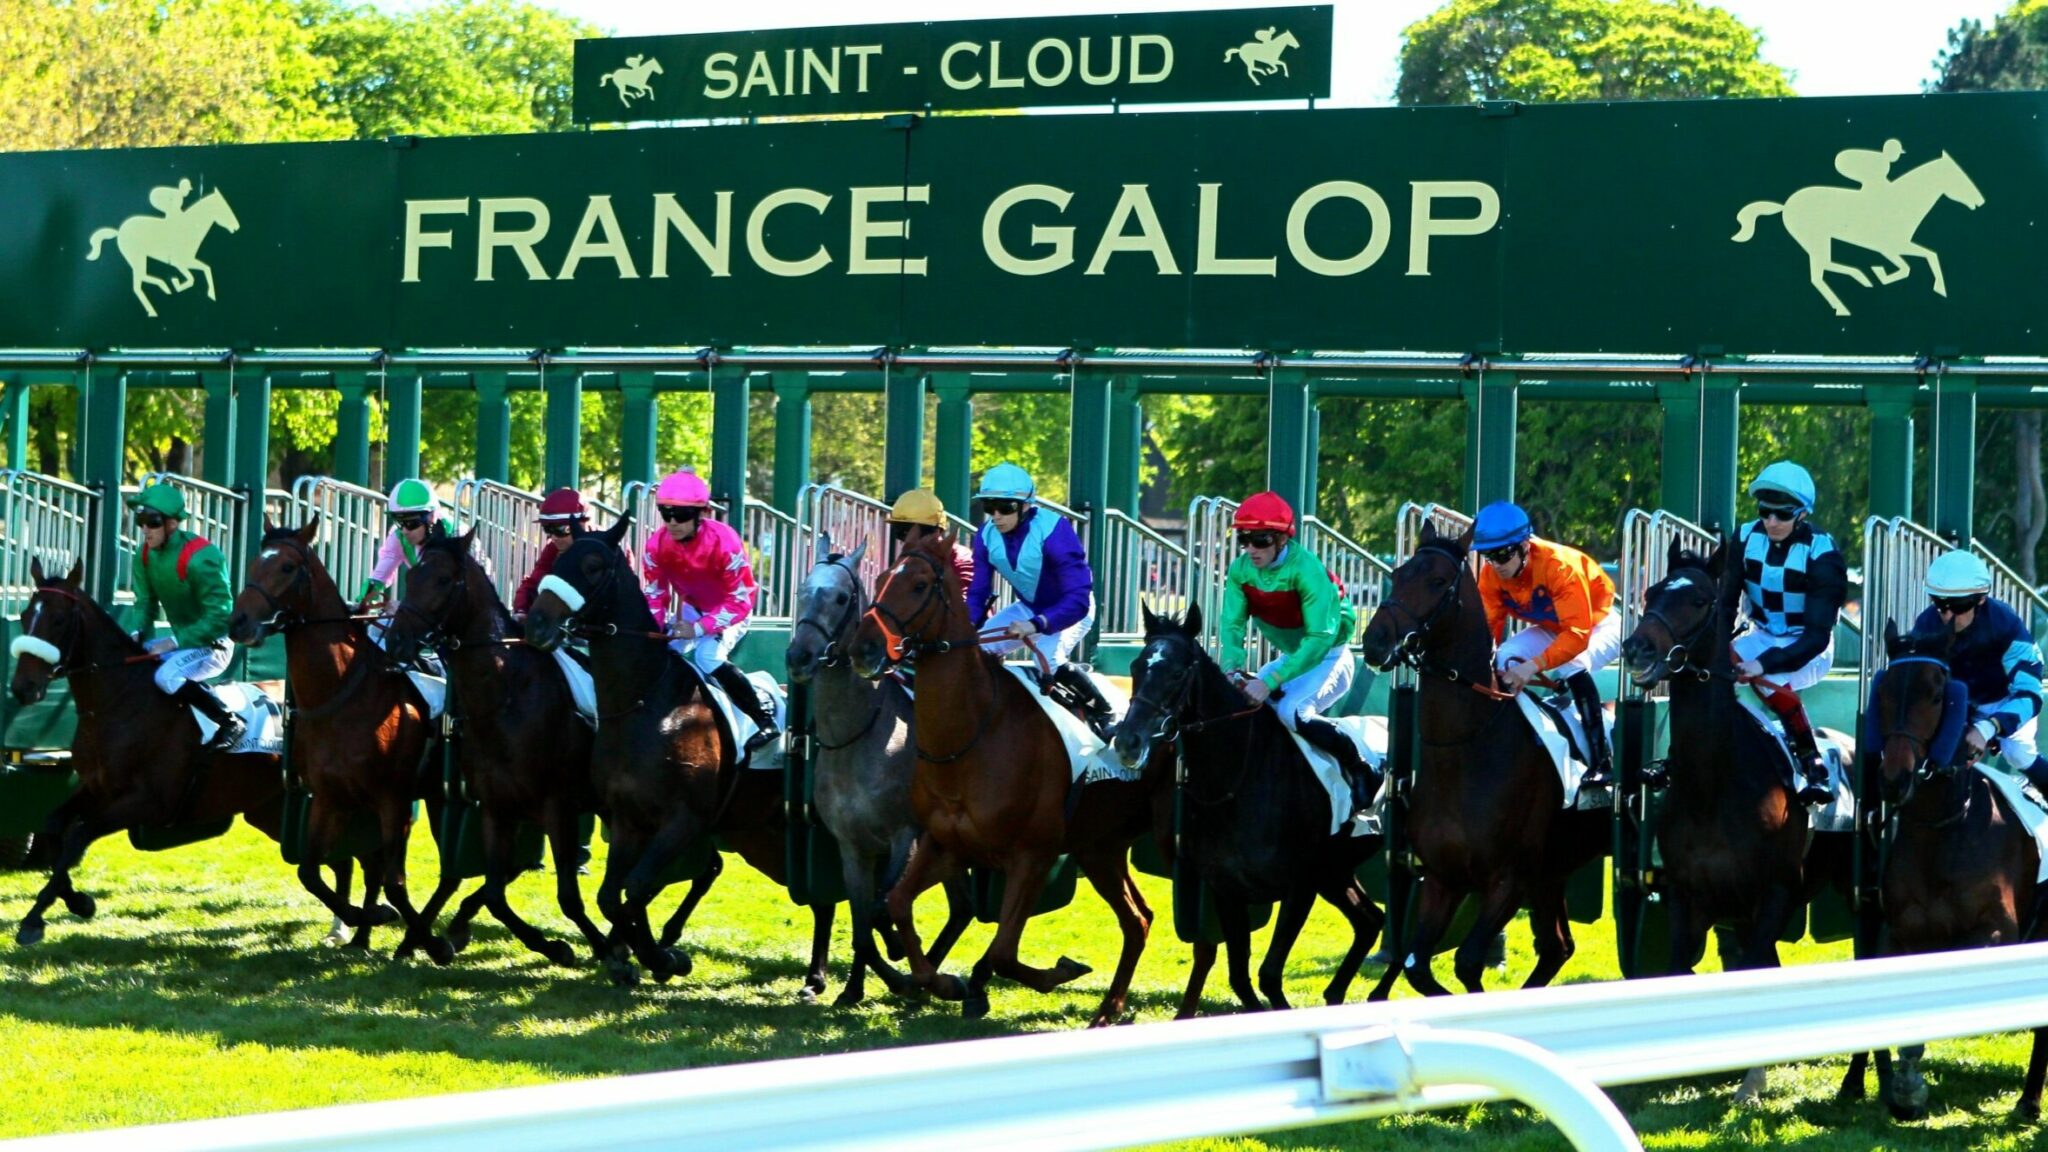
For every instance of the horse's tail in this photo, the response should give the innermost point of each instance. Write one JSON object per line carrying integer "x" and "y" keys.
{"x": 1747, "y": 217}
{"x": 1228, "y": 53}
{"x": 604, "y": 80}
{"x": 98, "y": 238}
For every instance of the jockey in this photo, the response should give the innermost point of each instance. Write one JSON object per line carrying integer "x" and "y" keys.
{"x": 1994, "y": 655}
{"x": 1568, "y": 603}
{"x": 563, "y": 519}
{"x": 411, "y": 507}
{"x": 1041, "y": 558}
{"x": 186, "y": 577}
{"x": 1301, "y": 610}
{"x": 1794, "y": 582}
{"x": 919, "y": 514}
{"x": 701, "y": 588}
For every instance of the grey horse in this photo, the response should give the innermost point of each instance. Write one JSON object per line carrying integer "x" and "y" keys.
{"x": 864, "y": 759}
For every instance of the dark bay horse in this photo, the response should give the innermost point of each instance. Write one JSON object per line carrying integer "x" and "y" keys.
{"x": 524, "y": 752}
{"x": 137, "y": 751}
{"x": 360, "y": 731}
{"x": 993, "y": 786}
{"x": 1487, "y": 811}
{"x": 862, "y": 766}
{"x": 666, "y": 776}
{"x": 1256, "y": 820}
{"x": 1960, "y": 870}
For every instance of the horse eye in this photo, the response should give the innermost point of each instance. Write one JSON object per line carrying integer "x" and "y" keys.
{"x": 839, "y": 598}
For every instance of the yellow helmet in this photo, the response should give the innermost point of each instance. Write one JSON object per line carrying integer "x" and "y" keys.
{"x": 918, "y": 506}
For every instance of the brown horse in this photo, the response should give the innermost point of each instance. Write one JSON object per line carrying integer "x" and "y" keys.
{"x": 524, "y": 752}
{"x": 665, "y": 772}
{"x": 360, "y": 731}
{"x": 993, "y": 787}
{"x": 137, "y": 752}
{"x": 1960, "y": 872}
{"x": 1487, "y": 813}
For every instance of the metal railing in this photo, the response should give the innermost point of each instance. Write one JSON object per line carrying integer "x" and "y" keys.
{"x": 47, "y": 519}
{"x": 1554, "y": 1049}
{"x": 508, "y": 537}
{"x": 219, "y": 514}
{"x": 1646, "y": 539}
{"x": 848, "y": 520}
{"x": 779, "y": 559}
{"x": 352, "y": 528}
{"x": 1896, "y": 553}
{"x": 1140, "y": 568}
{"x": 1212, "y": 546}
{"x": 1363, "y": 575}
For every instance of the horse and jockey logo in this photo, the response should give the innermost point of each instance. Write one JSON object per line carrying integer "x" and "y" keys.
{"x": 1881, "y": 214}
{"x": 1261, "y": 53}
{"x": 172, "y": 238}
{"x": 631, "y": 81}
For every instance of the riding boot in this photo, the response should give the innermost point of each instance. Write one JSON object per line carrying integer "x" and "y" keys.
{"x": 230, "y": 726}
{"x": 1093, "y": 705}
{"x": 744, "y": 697}
{"x": 1599, "y": 761}
{"x": 1810, "y": 768}
{"x": 2037, "y": 775}
{"x": 1364, "y": 781}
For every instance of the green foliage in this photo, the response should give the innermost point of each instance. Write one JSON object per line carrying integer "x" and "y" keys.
{"x": 1557, "y": 50}
{"x": 2010, "y": 55}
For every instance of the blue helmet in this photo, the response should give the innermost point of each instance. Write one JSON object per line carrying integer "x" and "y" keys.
{"x": 1006, "y": 481}
{"x": 1784, "y": 479}
{"x": 1500, "y": 525}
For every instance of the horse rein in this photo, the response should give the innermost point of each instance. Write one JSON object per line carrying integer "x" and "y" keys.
{"x": 64, "y": 668}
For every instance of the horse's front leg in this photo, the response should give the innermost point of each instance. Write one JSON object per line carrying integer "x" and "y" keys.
{"x": 1433, "y": 913}
{"x": 1024, "y": 880}
{"x": 1109, "y": 873}
{"x": 927, "y": 866}
{"x": 394, "y": 823}
{"x": 682, "y": 830}
{"x": 1348, "y": 896}
{"x": 56, "y": 830}
{"x": 1497, "y": 906}
{"x": 1294, "y": 910}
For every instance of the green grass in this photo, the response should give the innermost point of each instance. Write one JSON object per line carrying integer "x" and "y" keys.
{"x": 202, "y": 989}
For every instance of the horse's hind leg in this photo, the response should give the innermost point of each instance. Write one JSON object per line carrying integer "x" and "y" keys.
{"x": 700, "y": 886}
{"x": 1109, "y": 872}
{"x": 2029, "y": 1106}
{"x": 1432, "y": 915}
{"x": 394, "y": 822}
{"x": 1496, "y": 907}
{"x": 564, "y": 847}
{"x": 1348, "y": 896}
{"x": 1553, "y": 931}
{"x": 1852, "y": 1080}
{"x": 960, "y": 913}
{"x": 1198, "y": 975}
{"x": 501, "y": 846}
{"x": 1234, "y": 918}
{"x": 821, "y": 951}
{"x": 1294, "y": 912}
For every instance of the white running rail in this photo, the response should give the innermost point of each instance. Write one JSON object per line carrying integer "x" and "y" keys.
{"x": 1551, "y": 1048}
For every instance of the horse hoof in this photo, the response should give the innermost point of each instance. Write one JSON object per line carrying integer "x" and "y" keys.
{"x": 974, "y": 1005}
{"x": 558, "y": 953}
{"x": 1850, "y": 1094}
{"x": 622, "y": 974}
{"x": 385, "y": 914}
{"x": 807, "y": 995}
{"x": 458, "y": 936}
{"x": 404, "y": 950}
{"x": 1070, "y": 969}
{"x": 2028, "y": 1111}
{"x": 674, "y": 964}
{"x": 440, "y": 951}
{"x": 849, "y": 998}
{"x": 81, "y": 905}
{"x": 30, "y": 932}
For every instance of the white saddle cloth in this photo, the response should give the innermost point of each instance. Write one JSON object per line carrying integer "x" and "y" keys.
{"x": 1090, "y": 758}
{"x": 1838, "y": 750}
{"x": 2025, "y": 803}
{"x": 1566, "y": 746}
{"x": 741, "y": 728}
{"x": 262, "y": 718}
{"x": 433, "y": 690}
{"x": 581, "y": 687}
{"x": 1369, "y": 735}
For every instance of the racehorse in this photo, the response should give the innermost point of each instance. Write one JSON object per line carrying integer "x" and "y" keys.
{"x": 174, "y": 241}
{"x": 524, "y": 752}
{"x": 1960, "y": 870}
{"x": 666, "y": 774}
{"x": 137, "y": 752}
{"x": 1881, "y": 218}
{"x": 631, "y": 80}
{"x": 1261, "y": 54}
{"x": 1256, "y": 821}
{"x": 360, "y": 731}
{"x": 863, "y": 764}
{"x": 1487, "y": 810}
{"x": 994, "y": 786}
{"x": 1734, "y": 842}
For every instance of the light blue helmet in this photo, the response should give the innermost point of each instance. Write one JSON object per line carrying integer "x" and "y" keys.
{"x": 1006, "y": 481}
{"x": 1787, "y": 478}
{"x": 1957, "y": 574}
{"x": 1500, "y": 525}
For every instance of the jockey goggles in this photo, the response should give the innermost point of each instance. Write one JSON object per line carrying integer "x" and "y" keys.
{"x": 411, "y": 522}
{"x": 1501, "y": 556}
{"x": 558, "y": 529}
{"x": 1003, "y": 507}
{"x": 901, "y": 532}
{"x": 1769, "y": 512}
{"x": 151, "y": 519}
{"x": 680, "y": 514}
{"x": 1956, "y": 605}
{"x": 1257, "y": 539}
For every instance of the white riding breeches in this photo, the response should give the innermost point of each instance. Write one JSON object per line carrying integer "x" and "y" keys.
{"x": 1528, "y": 644}
{"x": 2017, "y": 750}
{"x": 1317, "y": 690}
{"x": 183, "y": 664}
{"x": 1054, "y": 646}
{"x": 1756, "y": 642}
{"x": 707, "y": 653}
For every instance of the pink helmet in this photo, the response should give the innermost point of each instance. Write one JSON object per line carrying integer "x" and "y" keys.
{"x": 684, "y": 489}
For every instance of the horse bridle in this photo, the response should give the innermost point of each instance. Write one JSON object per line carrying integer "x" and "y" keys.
{"x": 835, "y": 635}
{"x": 282, "y": 619}
{"x": 1407, "y": 650}
{"x": 1682, "y": 650}
{"x": 898, "y": 630}
{"x": 69, "y": 643}
{"x": 1171, "y": 727}
{"x": 1924, "y": 767}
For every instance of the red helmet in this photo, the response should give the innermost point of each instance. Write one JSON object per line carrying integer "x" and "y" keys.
{"x": 1265, "y": 512}
{"x": 561, "y": 505}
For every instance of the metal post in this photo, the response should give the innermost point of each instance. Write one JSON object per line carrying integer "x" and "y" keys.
{"x": 636, "y": 427}
{"x": 1491, "y": 400}
{"x": 217, "y": 438}
{"x": 953, "y": 458}
{"x": 1951, "y": 491}
{"x": 792, "y": 437}
{"x": 1088, "y": 453}
{"x": 562, "y": 434}
{"x": 14, "y": 414}
{"x": 1126, "y": 446}
{"x": 1680, "y": 488}
{"x": 251, "y": 473}
{"x": 1891, "y": 446}
{"x": 106, "y": 409}
{"x": 493, "y": 427}
{"x": 352, "y": 429}
{"x": 1720, "y": 419}
{"x": 401, "y": 427}
{"x": 1312, "y": 464}
{"x": 729, "y": 442}
{"x": 1288, "y": 398}
{"x": 903, "y": 433}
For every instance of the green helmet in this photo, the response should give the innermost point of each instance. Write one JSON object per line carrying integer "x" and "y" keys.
{"x": 163, "y": 498}
{"x": 410, "y": 496}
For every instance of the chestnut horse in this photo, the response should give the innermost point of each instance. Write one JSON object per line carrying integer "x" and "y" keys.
{"x": 994, "y": 786}
{"x": 137, "y": 752}
{"x": 1960, "y": 870}
{"x": 360, "y": 731}
{"x": 1487, "y": 814}
{"x": 666, "y": 774}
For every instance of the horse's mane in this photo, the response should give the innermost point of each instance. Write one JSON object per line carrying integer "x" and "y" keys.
{"x": 454, "y": 547}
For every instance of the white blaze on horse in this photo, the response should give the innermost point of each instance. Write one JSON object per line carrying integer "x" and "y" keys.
{"x": 631, "y": 81}
{"x": 172, "y": 239}
{"x": 1261, "y": 54}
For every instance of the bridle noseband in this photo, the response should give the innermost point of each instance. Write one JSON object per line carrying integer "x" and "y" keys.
{"x": 898, "y": 632}
{"x": 835, "y": 636}
{"x": 1682, "y": 650}
{"x": 1409, "y": 650}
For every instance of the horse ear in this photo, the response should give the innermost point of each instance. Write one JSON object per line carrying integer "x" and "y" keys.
{"x": 1145, "y": 614}
{"x": 1673, "y": 556}
{"x": 1192, "y": 622}
{"x": 1893, "y": 642}
{"x": 310, "y": 530}
{"x": 1429, "y": 533}
{"x": 951, "y": 537}
{"x": 1464, "y": 541}
{"x": 466, "y": 539}
{"x": 617, "y": 531}
{"x": 77, "y": 574}
{"x": 858, "y": 552}
{"x": 35, "y": 569}
{"x": 824, "y": 548}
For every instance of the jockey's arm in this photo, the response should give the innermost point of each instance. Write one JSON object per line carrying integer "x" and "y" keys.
{"x": 1828, "y": 586}
{"x": 1573, "y": 602}
{"x": 978, "y": 592}
{"x": 1231, "y": 622}
{"x": 1319, "y": 616}
{"x": 2022, "y": 663}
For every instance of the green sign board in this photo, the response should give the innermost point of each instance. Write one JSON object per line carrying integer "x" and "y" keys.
{"x": 1157, "y": 58}
{"x": 1887, "y": 225}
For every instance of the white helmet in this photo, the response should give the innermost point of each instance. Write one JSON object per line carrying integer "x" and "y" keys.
{"x": 1958, "y": 573}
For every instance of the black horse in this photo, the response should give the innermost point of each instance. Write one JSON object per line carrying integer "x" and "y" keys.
{"x": 1960, "y": 869}
{"x": 1255, "y": 820}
